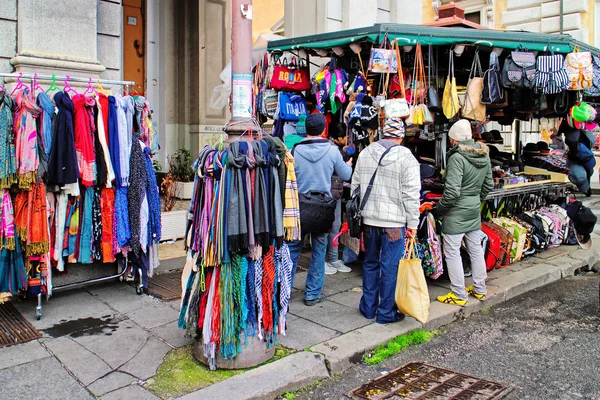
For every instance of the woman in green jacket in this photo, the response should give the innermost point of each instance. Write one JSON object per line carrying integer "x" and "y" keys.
{"x": 468, "y": 182}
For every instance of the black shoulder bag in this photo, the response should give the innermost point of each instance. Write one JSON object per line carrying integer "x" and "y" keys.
{"x": 355, "y": 205}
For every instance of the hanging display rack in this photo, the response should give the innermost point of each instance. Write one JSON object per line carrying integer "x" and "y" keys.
{"x": 66, "y": 78}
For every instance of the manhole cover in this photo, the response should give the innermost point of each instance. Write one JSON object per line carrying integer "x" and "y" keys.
{"x": 14, "y": 328}
{"x": 418, "y": 380}
{"x": 166, "y": 287}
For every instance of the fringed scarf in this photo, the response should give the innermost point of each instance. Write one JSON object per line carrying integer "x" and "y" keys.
{"x": 251, "y": 320}
{"x": 84, "y": 139}
{"x": 247, "y": 174}
{"x": 275, "y": 203}
{"x": 291, "y": 212}
{"x": 125, "y": 136}
{"x": 268, "y": 288}
{"x": 21, "y": 207}
{"x": 13, "y": 276}
{"x": 230, "y": 309}
{"x": 261, "y": 204}
{"x": 107, "y": 205}
{"x": 38, "y": 241}
{"x": 8, "y": 161}
{"x": 27, "y": 155}
{"x": 208, "y": 346}
{"x": 7, "y": 221}
{"x": 237, "y": 227}
{"x": 284, "y": 262}
{"x": 258, "y": 293}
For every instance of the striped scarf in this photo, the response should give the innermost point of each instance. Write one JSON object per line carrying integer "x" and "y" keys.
{"x": 284, "y": 260}
{"x": 291, "y": 211}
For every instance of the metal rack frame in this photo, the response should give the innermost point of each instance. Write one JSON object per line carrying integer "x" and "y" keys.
{"x": 122, "y": 262}
{"x": 560, "y": 189}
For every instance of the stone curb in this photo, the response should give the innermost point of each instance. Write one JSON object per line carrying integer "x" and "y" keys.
{"x": 341, "y": 353}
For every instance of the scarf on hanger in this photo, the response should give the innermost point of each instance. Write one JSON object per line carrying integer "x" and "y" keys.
{"x": 102, "y": 178}
{"x": 101, "y": 138}
{"x": 21, "y": 206}
{"x": 13, "y": 276}
{"x": 275, "y": 202}
{"x": 26, "y": 139}
{"x": 125, "y": 137}
{"x": 136, "y": 194}
{"x": 113, "y": 139}
{"x": 84, "y": 139}
{"x": 291, "y": 212}
{"x": 62, "y": 165}
{"x": 85, "y": 236}
{"x": 154, "y": 227}
{"x": 107, "y": 205}
{"x": 121, "y": 220}
{"x": 261, "y": 205}
{"x": 38, "y": 241}
{"x": 60, "y": 222}
{"x": 8, "y": 161}
{"x": 45, "y": 120}
{"x": 282, "y": 169}
{"x": 96, "y": 226}
{"x": 237, "y": 227}
{"x": 7, "y": 222}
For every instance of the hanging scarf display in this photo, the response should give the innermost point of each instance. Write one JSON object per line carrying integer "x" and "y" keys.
{"x": 27, "y": 155}
{"x": 8, "y": 161}
{"x": 84, "y": 139}
{"x": 102, "y": 150}
{"x": 38, "y": 241}
{"x": 63, "y": 168}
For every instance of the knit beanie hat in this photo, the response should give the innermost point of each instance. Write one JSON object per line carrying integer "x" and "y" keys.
{"x": 301, "y": 126}
{"x": 460, "y": 131}
{"x": 394, "y": 128}
{"x": 315, "y": 124}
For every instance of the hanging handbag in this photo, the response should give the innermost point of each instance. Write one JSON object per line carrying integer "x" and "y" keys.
{"x": 356, "y": 204}
{"x": 291, "y": 106}
{"x": 551, "y": 76}
{"x": 290, "y": 77}
{"x": 492, "y": 93}
{"x": 396, "y": 108}
{"x": 594, "y": 90}
{"x": 269, "y": 102}
{"x": 473, "y": 108}
{"x": 450, "y": 102}
{"x": 433, "y": 98}
{"x": 519, "y": 70}
{"x": 419, "y": 112}
{"x": 383, "y": 60}
{"x": 578, "y": 66}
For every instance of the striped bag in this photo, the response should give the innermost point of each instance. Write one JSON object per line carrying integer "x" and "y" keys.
{"x": 550, "y": 75}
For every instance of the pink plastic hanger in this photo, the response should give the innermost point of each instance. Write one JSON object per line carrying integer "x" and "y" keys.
{"x": 36, "y": 85}
{"x": 20, "y": 84}
{"x": 90, "y": 89}
{"x": 68, "y": 88}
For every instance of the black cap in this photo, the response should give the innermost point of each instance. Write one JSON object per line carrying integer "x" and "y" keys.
{"x": 315, "y": 124}
{"x": 584, "y": 221}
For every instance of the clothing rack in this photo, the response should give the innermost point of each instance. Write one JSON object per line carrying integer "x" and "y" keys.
{"x": 122, "y": 262}
{"x": 557, "y": 188}
{"x": 67, "y": 78}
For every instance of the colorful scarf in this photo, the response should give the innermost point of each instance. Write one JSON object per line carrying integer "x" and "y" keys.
{"x": 8, "y": 161}
{"x": 45, "y": 120}
{"x": 84, "y": 140}
{"x": 284, "y": 261}
{"x": 101, "y": 132}
{"x": 154, "y": 227}
{"x": 26, "y": 139}
{"x": 7, "y": 222}
{"x": 136, "y": 194}
{"x": 21, "y": 206}
{"x": 291, "y": 212}
{"x": 38, "y": 241}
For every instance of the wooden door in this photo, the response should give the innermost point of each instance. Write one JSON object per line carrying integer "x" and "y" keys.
{"x": 134, "y": 44}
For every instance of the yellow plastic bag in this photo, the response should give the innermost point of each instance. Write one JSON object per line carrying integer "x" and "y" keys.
{"x": 412, "y": 295}
{"x": 450, "y": 101}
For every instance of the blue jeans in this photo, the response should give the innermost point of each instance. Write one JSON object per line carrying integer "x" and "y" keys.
{"x": 384, "y": 247}
{"x": 333, "y": 251}
{"x": 316, "y": 272}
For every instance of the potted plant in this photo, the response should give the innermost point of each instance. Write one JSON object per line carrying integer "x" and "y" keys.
{"x": 180, "y": 167}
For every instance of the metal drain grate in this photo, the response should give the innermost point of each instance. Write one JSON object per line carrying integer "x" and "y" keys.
{"x": 14, "y": 328}
{"x": 418, "y": 380}
{"x": 166, "y": 287}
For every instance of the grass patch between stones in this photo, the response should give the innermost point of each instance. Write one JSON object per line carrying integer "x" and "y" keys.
{"x": 180, "y": 373}
{"x": 396, "y": 345}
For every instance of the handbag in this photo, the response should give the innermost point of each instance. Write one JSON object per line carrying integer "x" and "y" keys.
{"x": 493, "y": 248}
{"x": 412, "y": 294}
{"x": 269, "y": 102}
{"x": 519, "y": 70}
{"x": 419, "y": 112}
{"x": 383, "y": 60}
{"x": 492, "y": 93}
{"x": 317, "y": 212}
{"x": 291, "y": 77}
{"x": 356, "y": 205}
{"x": 473, "y": 108}
{"x": 435, "y": 247}
{"x": 433, "y": 98}
{"x": 450, "y": 102}
{"x": 398, "y": 107}
{"x": 291, "y": 106}
{"x": 551, "y": 76}
{"x": 580, "y": 71}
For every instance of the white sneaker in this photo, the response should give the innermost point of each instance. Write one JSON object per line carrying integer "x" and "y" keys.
{"x": 340, "y": 266}
{"x": 329, "y": 270}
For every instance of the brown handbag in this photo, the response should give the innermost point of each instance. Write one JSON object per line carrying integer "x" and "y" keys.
{"x": 473, "y": 108}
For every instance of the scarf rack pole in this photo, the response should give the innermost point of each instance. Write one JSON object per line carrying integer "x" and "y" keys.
{"x": 122, "y": 262}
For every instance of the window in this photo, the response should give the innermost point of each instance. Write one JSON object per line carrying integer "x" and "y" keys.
{"x": 474, "y": 17}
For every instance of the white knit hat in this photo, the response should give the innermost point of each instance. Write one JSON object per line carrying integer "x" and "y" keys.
{"x": 461, "y": 130}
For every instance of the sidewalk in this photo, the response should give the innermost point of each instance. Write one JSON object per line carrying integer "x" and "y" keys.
{"x": 105, "y": 341}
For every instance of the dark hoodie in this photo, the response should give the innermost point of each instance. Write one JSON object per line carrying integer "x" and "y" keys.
{"x": 468, "y": 182}
{"x": 316, "y": 164}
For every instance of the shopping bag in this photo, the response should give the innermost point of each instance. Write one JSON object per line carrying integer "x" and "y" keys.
{"x": 412, "y": 295}
{"x": 450, "y": 101}
{"x": 473, "y": 108}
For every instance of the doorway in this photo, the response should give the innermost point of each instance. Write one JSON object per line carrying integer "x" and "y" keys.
{"x": 134, "y": 44}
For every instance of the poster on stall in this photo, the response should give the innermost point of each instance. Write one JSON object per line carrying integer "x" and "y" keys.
{"x": 242, "y": 96}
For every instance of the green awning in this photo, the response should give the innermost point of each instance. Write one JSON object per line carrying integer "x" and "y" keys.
{"x": 440, "y": 36}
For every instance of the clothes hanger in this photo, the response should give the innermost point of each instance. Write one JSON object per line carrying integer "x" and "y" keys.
{"x": 90, "y": 89}
{"x": 67, "y": 87}
{"x": 19, "y": 84}
{"x": 35, "y": 85}
{"x": 53, "y": 85}
{"x": 100, "y": 89}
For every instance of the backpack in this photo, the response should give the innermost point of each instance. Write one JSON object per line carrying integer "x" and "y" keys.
{"x": 549, "y": 229}
{"x": 561, "y": 213}
{"x": 578, "y": 66}
{"x": 492, "y": 92}
{"x": 519, "y": 70}
{"x": 594, "y": 90}
{"x": 538, "y": 234}
{"x": 551, "y": 76}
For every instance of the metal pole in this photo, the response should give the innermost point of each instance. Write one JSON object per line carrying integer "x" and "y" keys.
{"x": 241, "y": 68}
{"x": 562, "y": 16}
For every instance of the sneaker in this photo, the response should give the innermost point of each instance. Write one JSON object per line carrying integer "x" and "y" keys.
{"x": 312, "y": 302}
{"x": 340, "y": 266}
{"x": 329, "y": 269}
{"x": 472, "y": 292}
{"x": 451, "y": 298}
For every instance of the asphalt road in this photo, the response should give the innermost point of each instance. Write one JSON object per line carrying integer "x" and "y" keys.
{"x": 545, "y": 344}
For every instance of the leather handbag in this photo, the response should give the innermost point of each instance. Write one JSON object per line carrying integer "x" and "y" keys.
{"x": 473, "y": 108}
{"x": 450, "y": 101}
{"x": 290, "y": 77}
{"x": 433, "y": 97}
